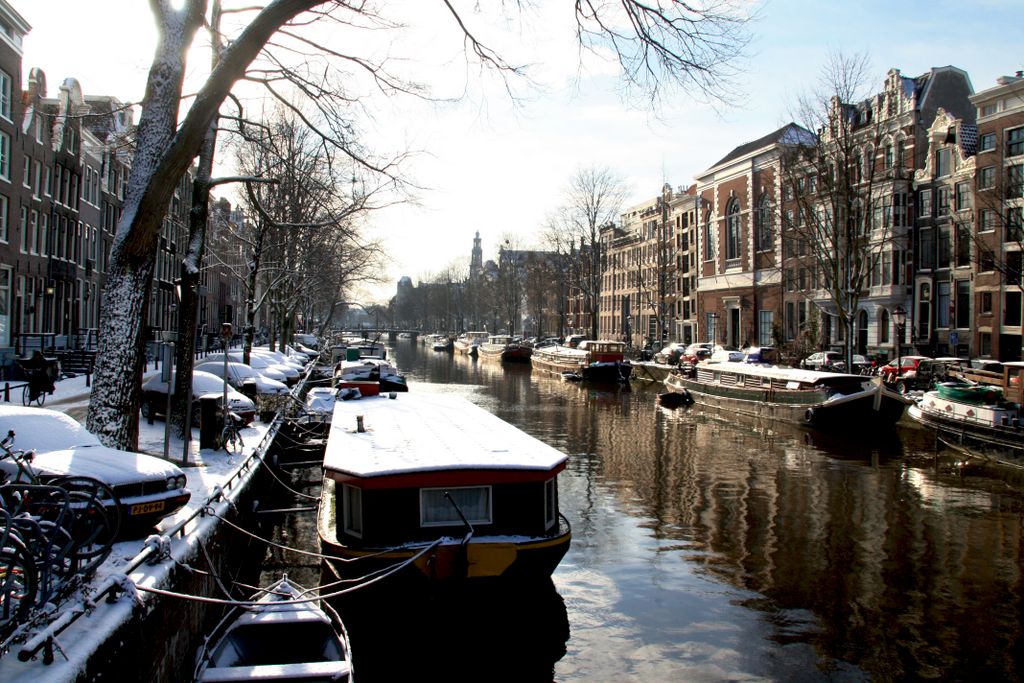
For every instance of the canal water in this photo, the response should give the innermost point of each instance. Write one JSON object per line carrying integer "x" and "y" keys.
{"x": 721, "y": 549}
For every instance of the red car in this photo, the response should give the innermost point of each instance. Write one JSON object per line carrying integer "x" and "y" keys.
{"x": 907, "y": 368}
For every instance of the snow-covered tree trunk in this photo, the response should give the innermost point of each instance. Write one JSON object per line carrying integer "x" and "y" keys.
{"x": 163, "y": 153}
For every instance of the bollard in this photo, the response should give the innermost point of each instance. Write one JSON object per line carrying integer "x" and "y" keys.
{"x": 359, "y": 424}
{"x": 7, "y": 392}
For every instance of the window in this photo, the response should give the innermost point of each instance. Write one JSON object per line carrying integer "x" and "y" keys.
{"x": 473, "y": 501}
{"x": 1012, "y": 268}
{"x": 550, "y": 503}
{"x": 33, "y": 232}
{"x": 963, "y": 246}
{"x": 924, "y": 203}
{"x": 942, "y": 201}
{"x": 3, "y": 218}
{"x": 37, "y": 172}
{"x": 986, "y": 177}
{"x": 732, "y": 229}
{"x": 1011, "y": 309}
{"x": 883, "y": 327}
{"x": 24, "y": 229}
{"x": 5, "y": 156}
{"x": 927, "y": 249}
{"x": 352, "y": 506}
{"x": 986, "y": 262}
{"x": 709, "y": 241}
{"x": 765, "y": 321}
{"x": 1015, "y": 181}
{"x": 5, "y": 95}
{"x": 44, "y": 234}
{"x": 945, "y": 247}
{"x": 963, "y": 304}
{"x": 962, "y": 196}
{"x": 763, "y": 224}
{"x": 901, "y": 153}
{"x": 1015, "y": 142}
{"x": 986, "y": 303}
{"x": 942, "y": 304}
{"x": 26, "y": 173}
{"x": 988, "y": 220}
{"x": 1014, "y": 225}
{"x": 987, "y": 142}
{"x": 943, "y": 162}
{"x": 790, "y": 321}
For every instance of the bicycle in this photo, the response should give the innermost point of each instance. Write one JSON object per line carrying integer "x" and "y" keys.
{"x": 231, "y": 434}
{"x": 96, "y": 507}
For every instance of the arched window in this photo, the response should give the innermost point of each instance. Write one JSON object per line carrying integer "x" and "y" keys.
{"x": 732, "y": 230}
{"x": 763, "y": 221}
{"x": 883, "y": 327}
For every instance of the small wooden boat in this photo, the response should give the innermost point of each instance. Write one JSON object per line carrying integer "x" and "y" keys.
{"x": 435, "y": 488}
{"x": 596, "y": 361}
{"x": 807, "y": 397}
{"x": 649, "y": 371}
{"x": 284, "y": 636}
{"x": 501, "y": 347}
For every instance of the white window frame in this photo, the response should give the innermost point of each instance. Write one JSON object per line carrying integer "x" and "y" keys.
{"x": 6, "y": 87}
{"x": 4, "y": 223}
{"x": 352, "y": 510}
{"x": 454, "y": 519}
{"x": 5, "y": 156}
{"x": 23, "y": 223}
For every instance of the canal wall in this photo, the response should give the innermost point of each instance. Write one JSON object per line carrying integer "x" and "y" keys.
{"x": 130, "y": 622}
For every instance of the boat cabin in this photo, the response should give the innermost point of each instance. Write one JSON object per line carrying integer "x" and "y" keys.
{"x": 602, "y": 351}
{"x": 422, "y": 467}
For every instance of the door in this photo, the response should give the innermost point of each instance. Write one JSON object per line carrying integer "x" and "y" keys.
{"x": 734, "y": 328}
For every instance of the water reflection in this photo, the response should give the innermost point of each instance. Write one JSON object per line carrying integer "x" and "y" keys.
{"x": 721, "y": 549}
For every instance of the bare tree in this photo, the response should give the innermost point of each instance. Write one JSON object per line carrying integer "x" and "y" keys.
{"x": 593, "y": 199}
{"x": 663, "y": 44}
{"x": 834, "y": 229}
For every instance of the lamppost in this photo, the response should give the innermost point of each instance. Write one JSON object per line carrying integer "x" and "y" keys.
{"x": 899, "y": 319}
{"x": 713, "y": 332}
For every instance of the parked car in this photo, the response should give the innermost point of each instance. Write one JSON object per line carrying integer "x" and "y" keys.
{"x": 696, "y": 352}
{"x": 761, "y": 354}
{"x": 260, "y": 364}
{"x": 825, "y": 361}
{"x": 723, "y": 355}
{"x": 901, "y": 368}
{"x": 154, "y": 396}
{"x": 305, "y": 339}
{"x": 986, "y": 365}
{"x": 149, "y": 488}
{"x": 671, "y": 354}
{"x": 243, "y": 378}
{"x": 926, "y": 374}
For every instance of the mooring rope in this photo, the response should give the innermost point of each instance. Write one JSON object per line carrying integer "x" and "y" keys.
{"x": 289, "y": 488}
{"x": 299, "y": 601}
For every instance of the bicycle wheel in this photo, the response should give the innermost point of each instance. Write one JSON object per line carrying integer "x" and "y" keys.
{"x": 18, "y": 584}
{"x": 109, "y": 502}
{"x": 41, "y": 398}
{"x": 26, "y": 395}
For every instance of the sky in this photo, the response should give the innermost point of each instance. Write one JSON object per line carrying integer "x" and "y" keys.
{"x": 483, "y": 161}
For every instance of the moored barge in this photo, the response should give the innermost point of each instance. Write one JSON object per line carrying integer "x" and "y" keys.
{"x": 437, "y": 488}
{"x": 821, "y": 399}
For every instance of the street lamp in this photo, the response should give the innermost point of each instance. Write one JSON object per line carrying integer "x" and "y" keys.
{"x": 899, "y": 319}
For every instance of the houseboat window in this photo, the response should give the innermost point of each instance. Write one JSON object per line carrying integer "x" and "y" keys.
{"x": 550, "y": 503}
{"x": 474, "y": 501}
{"x": 352, "y": 504}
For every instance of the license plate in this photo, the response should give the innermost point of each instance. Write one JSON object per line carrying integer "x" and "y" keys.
{"x": 146, "y": 508}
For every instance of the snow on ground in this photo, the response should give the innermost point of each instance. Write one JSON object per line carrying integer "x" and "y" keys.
{"x": 205, "y": 469}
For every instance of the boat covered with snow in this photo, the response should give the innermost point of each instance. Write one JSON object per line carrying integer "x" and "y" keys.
{"x": 433, "y": 487}
{"x": 596, "y": 361}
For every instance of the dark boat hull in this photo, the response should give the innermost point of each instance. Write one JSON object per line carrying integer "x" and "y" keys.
{"x": 810, "y": 408}
{"x": 505, "y": 557}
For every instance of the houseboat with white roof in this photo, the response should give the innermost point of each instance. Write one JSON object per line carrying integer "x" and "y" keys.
{"x": 433, "y": 486}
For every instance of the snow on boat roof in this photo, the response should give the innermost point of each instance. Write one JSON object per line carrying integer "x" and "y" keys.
{"x": 776, "y": 371}
{"x": 428, "y": 432}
